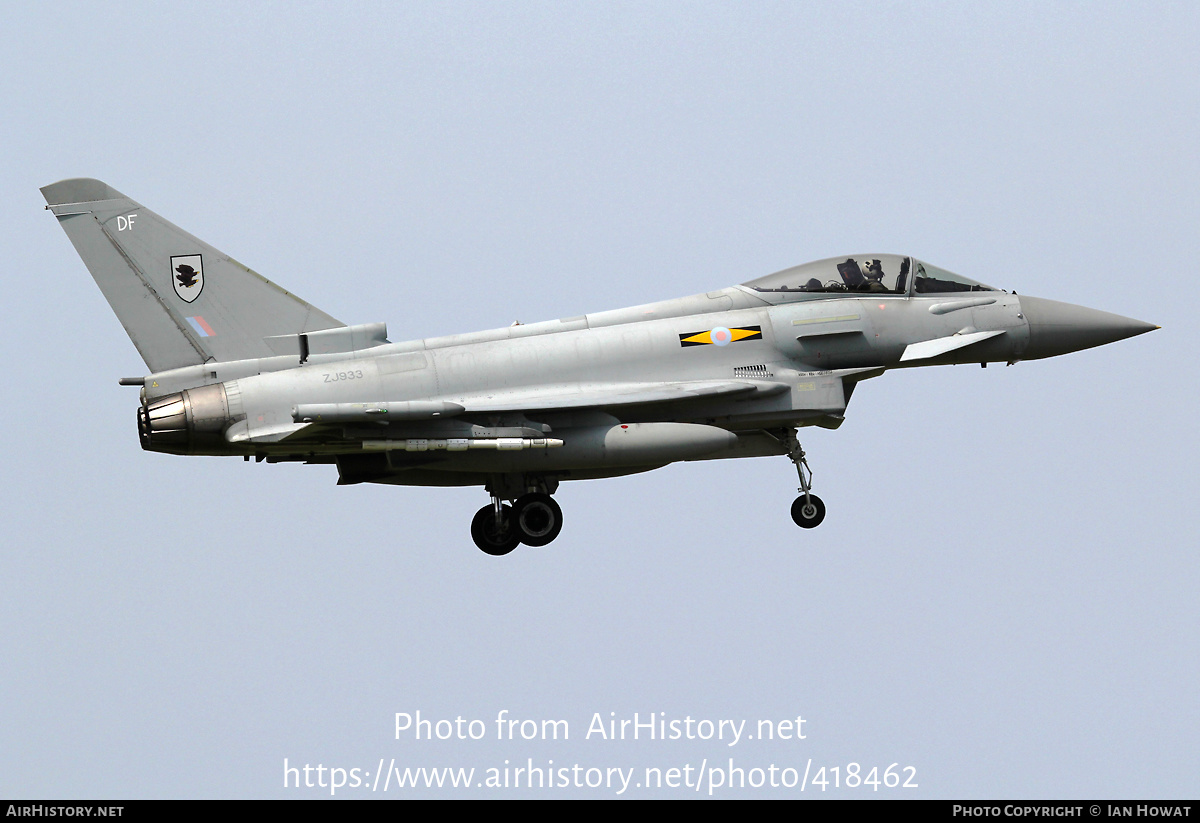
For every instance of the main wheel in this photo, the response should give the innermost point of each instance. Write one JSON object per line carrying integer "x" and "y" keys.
{"x": 538, "y": 519}
{"x": 808, "y": 515}
{"x": 495, "y": 535}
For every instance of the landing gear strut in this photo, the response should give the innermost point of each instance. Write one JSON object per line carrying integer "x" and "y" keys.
{"x": 807, "y": 510}
{"x": 533, "y": 519}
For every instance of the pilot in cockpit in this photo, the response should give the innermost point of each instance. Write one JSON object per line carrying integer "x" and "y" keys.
{"x": 874, "y": 275}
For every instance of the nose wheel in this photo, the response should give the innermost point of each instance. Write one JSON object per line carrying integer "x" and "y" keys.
{"x": 808, "y": 510}
{"x": 534, "y": 519}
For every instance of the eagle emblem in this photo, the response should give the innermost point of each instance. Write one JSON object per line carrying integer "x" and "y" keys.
{"x": 187, "y": 276}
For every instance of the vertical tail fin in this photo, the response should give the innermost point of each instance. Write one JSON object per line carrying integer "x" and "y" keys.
{"x": 181, "y": 301}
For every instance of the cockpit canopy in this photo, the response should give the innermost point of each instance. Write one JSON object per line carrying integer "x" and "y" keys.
{"x": 861, "y": 274}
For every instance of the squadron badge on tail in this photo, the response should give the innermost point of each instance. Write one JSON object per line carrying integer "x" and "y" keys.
{"x": 187, "y": 276}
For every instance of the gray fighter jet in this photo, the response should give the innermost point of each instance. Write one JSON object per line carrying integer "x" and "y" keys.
{"x": 238, "y": 366}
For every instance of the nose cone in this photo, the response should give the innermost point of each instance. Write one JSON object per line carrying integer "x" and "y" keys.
{"x": 1058, "y": 328}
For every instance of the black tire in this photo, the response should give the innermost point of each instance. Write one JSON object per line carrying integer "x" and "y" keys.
{"x": 492, "y": 537}
{"x": 537, "y": 519}
{"x": 808, "y": 516}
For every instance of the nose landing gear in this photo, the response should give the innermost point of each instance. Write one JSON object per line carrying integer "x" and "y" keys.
{"x": 808, "y": 510}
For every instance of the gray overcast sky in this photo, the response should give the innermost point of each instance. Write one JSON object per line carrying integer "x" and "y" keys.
{"x": 1003, "y": 595}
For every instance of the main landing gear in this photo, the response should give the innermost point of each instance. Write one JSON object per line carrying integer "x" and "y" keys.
{"x": 807, "y": 510}
{"x": 534, "y": 519}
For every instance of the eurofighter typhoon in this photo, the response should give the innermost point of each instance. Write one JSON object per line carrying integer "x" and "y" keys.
{"x": 238, "y": 366}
